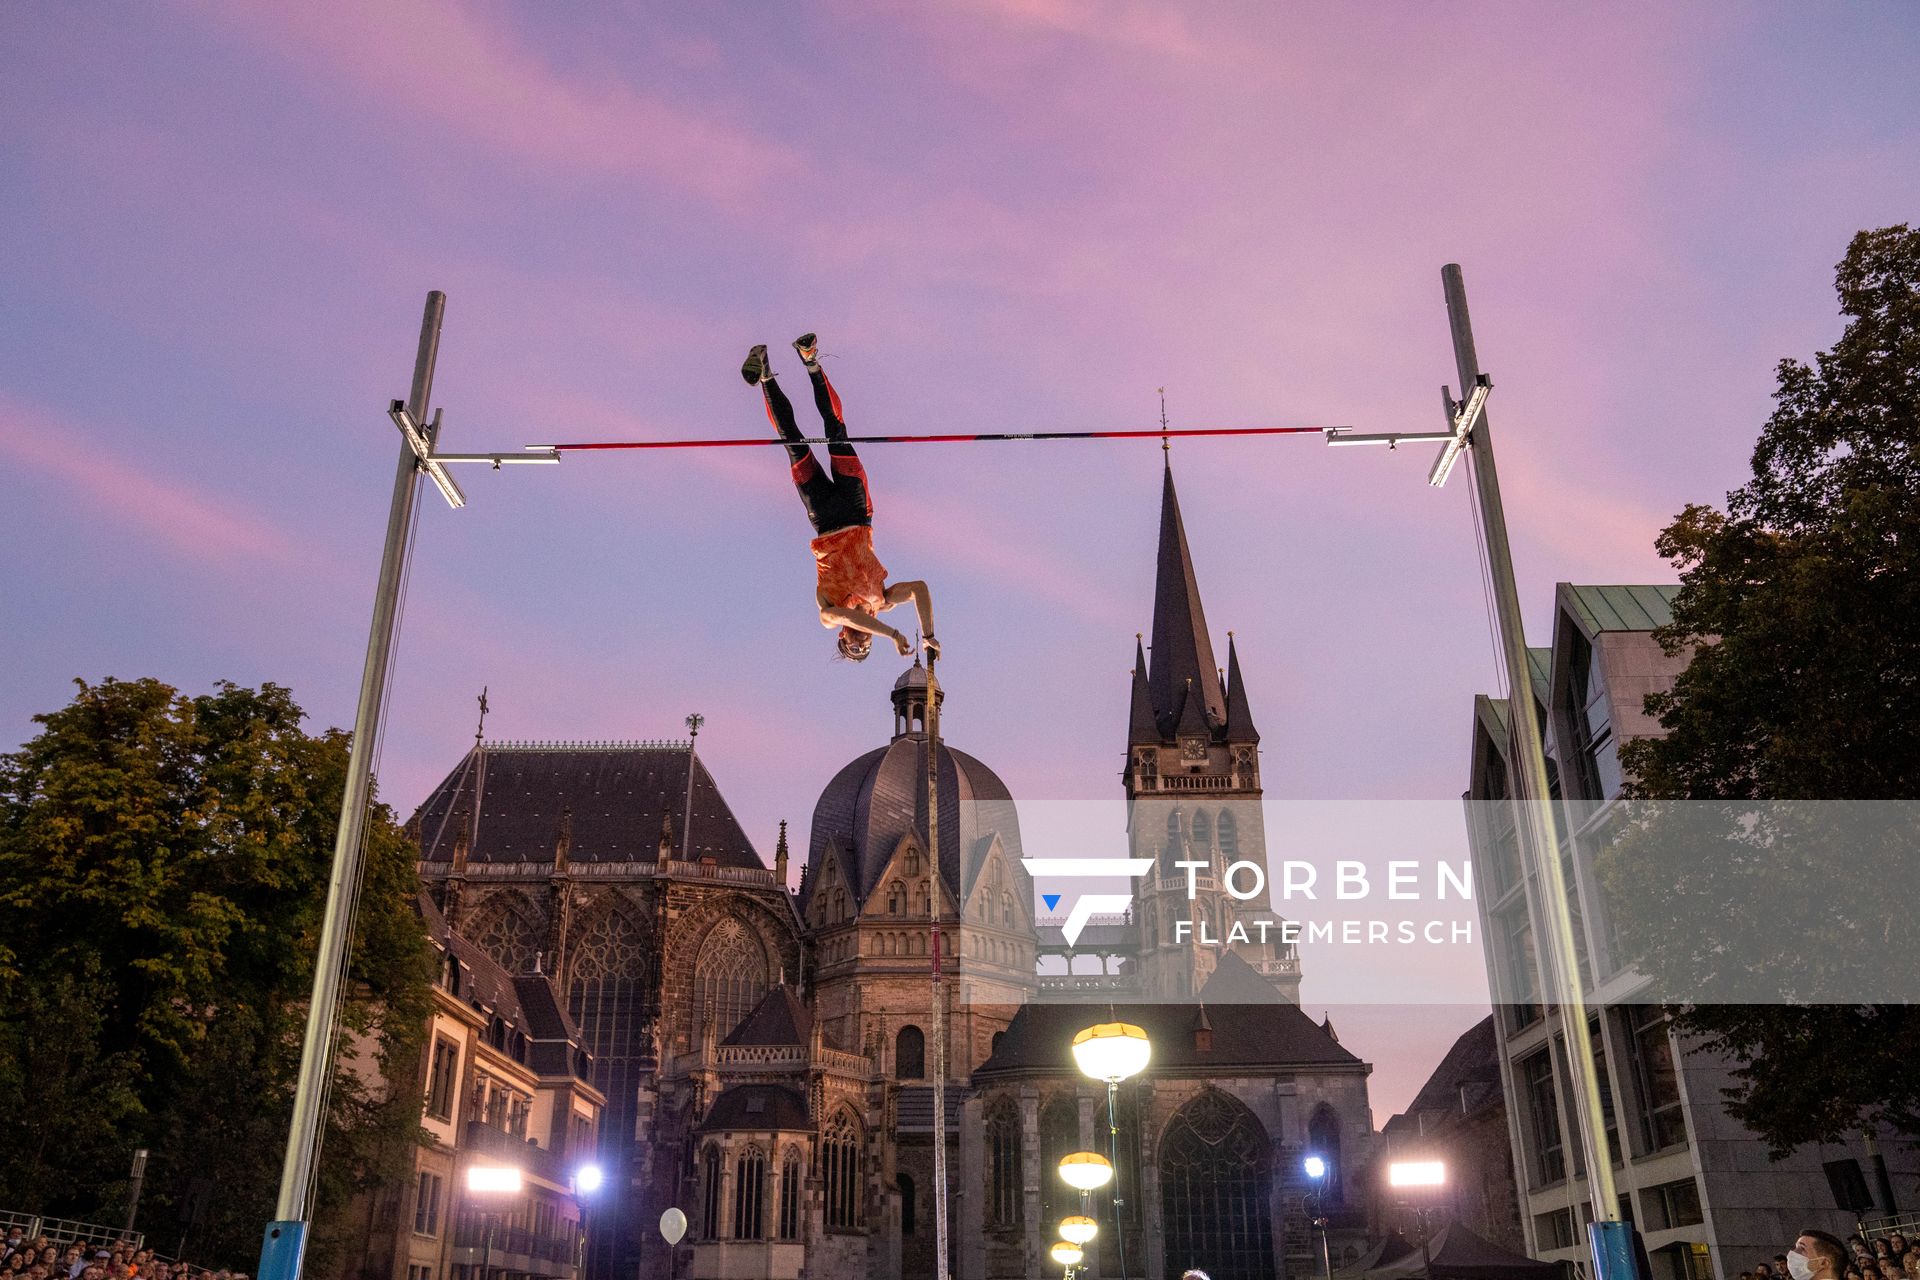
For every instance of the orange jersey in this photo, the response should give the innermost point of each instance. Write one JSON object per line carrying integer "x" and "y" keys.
{"x": 851, "y": 576}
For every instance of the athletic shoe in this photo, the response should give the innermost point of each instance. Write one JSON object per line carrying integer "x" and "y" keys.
{"x": 807, "y": 345}
{"x": 757, "y": 368}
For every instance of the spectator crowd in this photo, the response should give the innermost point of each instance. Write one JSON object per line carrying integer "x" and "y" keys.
{"x": 1817, "y": 1255}
{"x": 45, "y": 1258}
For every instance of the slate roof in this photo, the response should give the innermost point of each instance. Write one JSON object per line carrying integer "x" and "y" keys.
{"x": 779, "y": 1019}
{"x": 1621, "y": 608}
{"x": 483, "y": 983}
{"x": 1253, "y": 1027}
{"x": 1466, "y": 1081}
{"x": 872, "y": 804}
{"x": 617, "y": 797}
{"x": 752, "y": 1107}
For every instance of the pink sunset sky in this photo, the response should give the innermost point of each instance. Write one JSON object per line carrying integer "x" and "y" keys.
{"x": 221, "y": 221}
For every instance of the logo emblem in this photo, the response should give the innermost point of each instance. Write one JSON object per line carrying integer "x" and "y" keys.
{"x": 1086, "y": 905}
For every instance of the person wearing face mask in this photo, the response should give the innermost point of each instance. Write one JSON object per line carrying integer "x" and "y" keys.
{"x": 1817, "y": 1255}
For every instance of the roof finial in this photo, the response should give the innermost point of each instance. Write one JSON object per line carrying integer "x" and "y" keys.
{"x": 481, "y": 728}
{"x": 1166, "y": 444}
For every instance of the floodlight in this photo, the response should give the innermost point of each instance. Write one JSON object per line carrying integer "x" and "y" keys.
{"x": 1112, "y": 1051}
{"x": 492, "y": 1177}
{"x": 587, "y": 1178}
{"x": 1416, "y": 1173}
{"x": 1316, "y": 1167}
{"x": 1078, "y": 1229}
{"x": 1067, "y": 1254}
{"x": 1086, "y": 1170}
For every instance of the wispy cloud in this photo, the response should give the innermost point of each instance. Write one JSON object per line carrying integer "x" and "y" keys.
{"x": 450, "y": 63}
{"x": 172, "y": 513}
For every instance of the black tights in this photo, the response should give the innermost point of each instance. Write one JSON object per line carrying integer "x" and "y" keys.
{"x": 833, "y": 499}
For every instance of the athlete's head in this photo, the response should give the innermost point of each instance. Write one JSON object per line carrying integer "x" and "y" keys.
{"x": 855, "y": 645}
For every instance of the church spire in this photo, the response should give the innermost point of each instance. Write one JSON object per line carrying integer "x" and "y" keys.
{"x": 1182, "y": 653}
{"x": 1141, "y": 726}
{"x": 1239, "y": 712}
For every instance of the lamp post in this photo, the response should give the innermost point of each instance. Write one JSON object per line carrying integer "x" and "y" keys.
{"x": 1418, "y": 1174}
{"x": 1113, "y": 1051}
{"x": 1315, "y": 1168}
{"x": 486, "y": 1180}
{"x": 585, "y": 1184}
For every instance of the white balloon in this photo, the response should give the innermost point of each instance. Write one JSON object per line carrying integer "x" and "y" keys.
{"x": 673, "y": 1225}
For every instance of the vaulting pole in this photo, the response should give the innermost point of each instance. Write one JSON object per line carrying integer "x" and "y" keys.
{"x": 284, "y": 1246}
{"x": 939, "y": 993}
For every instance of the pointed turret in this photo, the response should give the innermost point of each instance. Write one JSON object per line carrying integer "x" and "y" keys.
{"x": 1193, "y": 720}
{"x": 1182, "y": 653}
{"x": 1239, "y": 713}
{"x": 1141, "y": 726}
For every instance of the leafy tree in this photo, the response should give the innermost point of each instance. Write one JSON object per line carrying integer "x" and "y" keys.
{"x": 1800, "y": 605}
{"x": 163, "y": 870}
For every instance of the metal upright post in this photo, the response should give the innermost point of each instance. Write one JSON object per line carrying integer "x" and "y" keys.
{"x": 1468, "y": 432}
{"x": 135, "y": 1180}
{"x": 1611, "y": 1241}
{"x": 284, "y": 1245}
{"x": 1113, "y": 1154}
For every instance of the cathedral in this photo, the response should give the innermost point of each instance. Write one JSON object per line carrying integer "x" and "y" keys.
{"x": 765, "y": 1035}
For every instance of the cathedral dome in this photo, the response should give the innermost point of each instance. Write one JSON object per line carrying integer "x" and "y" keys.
{"x": 880, "y": 799}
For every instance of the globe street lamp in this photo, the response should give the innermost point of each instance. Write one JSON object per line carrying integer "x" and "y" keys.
{"x": 1419, "y": 1174}
{"x": 1113, "y": 1051}
{"x": 1315, "y": 1168}
{"x": 485, "y": 1180}
{"x": 1086, "y": 1170}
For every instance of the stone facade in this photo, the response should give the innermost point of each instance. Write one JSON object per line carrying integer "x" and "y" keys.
{"x": 769, "y": 1057}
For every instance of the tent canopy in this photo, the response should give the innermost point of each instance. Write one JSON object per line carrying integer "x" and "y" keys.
{"x": 1458, "y": 1254}
{"x": 1388, "y": 1250}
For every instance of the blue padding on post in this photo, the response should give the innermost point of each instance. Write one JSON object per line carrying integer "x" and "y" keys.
{"x": 281, "y": 1250}
{"x": 1612, "y": 1244}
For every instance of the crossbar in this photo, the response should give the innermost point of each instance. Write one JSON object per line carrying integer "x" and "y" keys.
{"x": 977, "y": 437}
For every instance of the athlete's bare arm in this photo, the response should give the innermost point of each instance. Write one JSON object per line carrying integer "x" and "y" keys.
{"x": 899, "y": 593}
{"x": 916, "y": 591}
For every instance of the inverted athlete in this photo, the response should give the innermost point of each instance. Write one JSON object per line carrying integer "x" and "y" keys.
{"x": 853, "y": 588}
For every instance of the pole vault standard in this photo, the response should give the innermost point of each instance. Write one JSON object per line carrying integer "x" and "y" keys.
{"x": 284, "y": 1246}
{"x": 1610, "y": 1240}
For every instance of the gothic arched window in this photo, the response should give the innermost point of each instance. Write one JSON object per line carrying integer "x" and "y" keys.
{"x": 907, "y": 1205}
{"x": 729, "y": 977}
{"x": 1059, "y": 1136}
{"x": 1213, "y": 1189}
{"x": 1174, "y": 851}
{"x": 710, "y": 1193}
{"x": 503, "y": 927}
{"x": 749, "y": 1195}
{"x": 790, "y": 1178}
{"x": 896, "y": 898}
{"x": 1003, "y": 1166}
{"x": 909, "y": 1054}
{"x": 840, "y": 1171}
{"x": 1202, "y": 832}
{"x": 1229, "y": 836}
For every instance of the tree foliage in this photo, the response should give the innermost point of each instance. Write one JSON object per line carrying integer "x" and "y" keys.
{"x": 163, "y": 869}
{"x": 1800, "y": 605}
